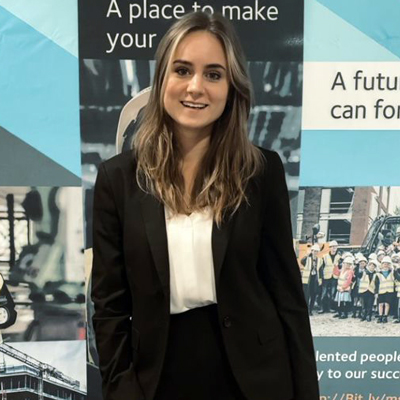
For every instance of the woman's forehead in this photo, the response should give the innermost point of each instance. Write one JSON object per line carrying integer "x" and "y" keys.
{"x": 200, "y": 48}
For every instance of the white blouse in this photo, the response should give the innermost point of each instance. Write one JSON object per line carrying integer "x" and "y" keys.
{"x": 191, "y": 267}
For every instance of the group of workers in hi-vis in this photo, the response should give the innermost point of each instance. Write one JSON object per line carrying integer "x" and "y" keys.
{"x": 347, "y": 283}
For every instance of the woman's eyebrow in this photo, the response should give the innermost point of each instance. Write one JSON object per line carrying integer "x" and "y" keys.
{"x": 207, "y": 66}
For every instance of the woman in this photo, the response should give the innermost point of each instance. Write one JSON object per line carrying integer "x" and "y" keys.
{"x": 196, "y": 287}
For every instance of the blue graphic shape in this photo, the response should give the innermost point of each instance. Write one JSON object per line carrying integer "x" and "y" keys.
{"x": 377, "y": 19}
{"x": 349, "y": 158}
{"x": 56, "y": 20}
{"x": 39, "y": 92}
{"x": 23, "y": 165}
{"x": 328, "y": 37}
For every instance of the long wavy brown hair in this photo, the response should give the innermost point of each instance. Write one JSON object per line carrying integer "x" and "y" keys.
{"x": 230, "y": 160}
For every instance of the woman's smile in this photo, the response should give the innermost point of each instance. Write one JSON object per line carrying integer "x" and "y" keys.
{"x": 194, "y": 106}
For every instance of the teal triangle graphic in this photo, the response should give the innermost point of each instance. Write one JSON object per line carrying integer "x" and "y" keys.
{"x": 379, "y": 20}
{"x": 57, "y": 20}
{"x": 39, "y": 92}
{"x": 23, "y": 165}
{"x": 327, "y": 37}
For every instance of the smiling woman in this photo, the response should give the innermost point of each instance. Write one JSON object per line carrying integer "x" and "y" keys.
{"x": 197, "y": 87}
{"x": 196, "y": 286}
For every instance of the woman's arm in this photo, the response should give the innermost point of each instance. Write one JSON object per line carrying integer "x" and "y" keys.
{"x": 111, "y": 297}
{"x": 282, "y": 280}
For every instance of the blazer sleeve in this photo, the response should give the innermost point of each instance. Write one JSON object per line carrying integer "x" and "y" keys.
{"x": 111, "y": 296}
{"x": 282, "y": 279}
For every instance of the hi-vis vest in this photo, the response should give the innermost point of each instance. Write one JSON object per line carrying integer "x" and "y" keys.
{"x": 305, "y": 275}
{"x": 343, "y": 278}
{"x": 328, "y": 269}
{"x": 365, "y": 284}
{"x": 386, "y": 285}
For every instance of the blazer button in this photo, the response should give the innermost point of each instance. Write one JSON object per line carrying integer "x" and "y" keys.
{"x": 227, "y": 322}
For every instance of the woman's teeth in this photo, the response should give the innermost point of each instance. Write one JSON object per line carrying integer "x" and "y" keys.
{"x": 191, "y": 105}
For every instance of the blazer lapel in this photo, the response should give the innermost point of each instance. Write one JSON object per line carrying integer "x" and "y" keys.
{"x": 219, "y": 243}
{"x": 154, "y": 218}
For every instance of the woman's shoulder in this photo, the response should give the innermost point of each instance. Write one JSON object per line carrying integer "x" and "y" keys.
{"x": 273, "y": 169}
{"x": 271, "y": 157}
{"x": 124, "y": 162}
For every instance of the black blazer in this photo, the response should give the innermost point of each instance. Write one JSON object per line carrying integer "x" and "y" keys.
{"x": 263, "y": 314}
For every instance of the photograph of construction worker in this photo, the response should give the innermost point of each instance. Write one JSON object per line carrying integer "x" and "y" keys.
{"x": 329, "y": 282}
{"x": 343, "y": 294}
{"x": 384, "y": 286}
{"x": 360, "y": 264}
{"x": 311, "y": 276}
{"x": 366, "y": 289}
{"x": 362, "y": 225}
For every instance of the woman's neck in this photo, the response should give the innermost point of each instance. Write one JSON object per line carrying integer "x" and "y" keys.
{"x": 192, "y": 148}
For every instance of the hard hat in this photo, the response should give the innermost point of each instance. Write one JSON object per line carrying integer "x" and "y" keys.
{"x": 362, "y": 258}
{"x": 380, "y": 252}
{"x": 386, "y": 259}
{"x": 348, "y": 254}
{"x": 349, "y": 260}
{"x": 315, "y": 247}
{"x": 372, "y": 256}
{"x": 374, "y": 262}
{"x": 333, "y": 243}
{"x": 395, "y": 255}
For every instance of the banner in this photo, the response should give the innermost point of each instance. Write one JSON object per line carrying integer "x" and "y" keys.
{"x": 74, "y": 78}
{"x": 350, "y": 194}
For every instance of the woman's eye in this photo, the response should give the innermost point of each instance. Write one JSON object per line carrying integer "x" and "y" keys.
{"x": 215, "y": 76}
{"x": 181, "y": 71}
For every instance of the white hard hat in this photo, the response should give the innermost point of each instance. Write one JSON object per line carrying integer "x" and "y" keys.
{"x": 348, "y": 260}
{"x": 333, "y": 243}
{"x": 362, "y": 258}
{"x": 380, "y": 252}
{"x": 386, "y": 259}
{"x": 374, "y": 262}
{"x": 372, "y": 256}
{"x": 348, "y": 254}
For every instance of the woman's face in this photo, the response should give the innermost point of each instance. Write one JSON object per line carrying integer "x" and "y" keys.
{"x": 198, "y": 78}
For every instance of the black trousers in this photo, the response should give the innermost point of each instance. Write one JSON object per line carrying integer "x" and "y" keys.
{"x": 196, "y": 365}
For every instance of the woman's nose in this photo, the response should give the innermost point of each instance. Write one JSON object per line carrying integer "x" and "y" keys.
{"x": 195, "y": 85}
